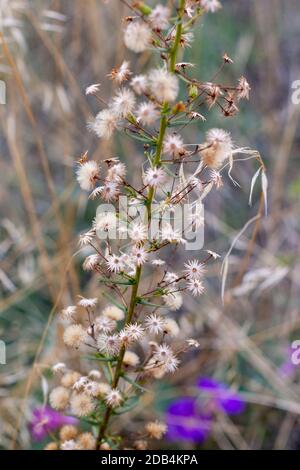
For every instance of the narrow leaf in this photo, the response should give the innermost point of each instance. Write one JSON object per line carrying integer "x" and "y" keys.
{"x": 135, "y": 384}
{"x": 253, "y": 181}
{"x": 264, "y": 185}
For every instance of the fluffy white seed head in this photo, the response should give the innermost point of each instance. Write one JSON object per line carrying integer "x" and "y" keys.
{"x": 154, "y": 324}
{"x": 69, "y": 312}
{"x": 138, "y": 232}
{"x": 116, "y": 172}
{"x": 137, "y": 36}
{"x": 211, "y": 5}
{"x": 159, "y": 17}
{"x": 105, "y": 222}
{"x": 74, "y": 336}
{"x": 104, "y": 325}
{"x": 115, "y": 263}
{"x": 147, "y": 113}
{"x": 219, "y": 148}
{"x": 140, "y": 84}
{"x": 164, "y": 85}
{"x": 113, "y": 312}
{"x": 196, "y": 287}
{"x": 173, "y": 300}
{"x": 131, "y": 359}
{"x": 92, "y": 89}
{"x": 113, "y": 398}
{"x": 123, "y": 103}
{"x": 69, "y": 379}
{"x": 139, "y": 256}
{"x": 131, "y": 333}
{"x": 121, "y": 74}
{"x": 173, "y": 146}
{"x": 82, "y": 404}
{"x": 194, "y": 269}
{"x": 109, "y": 344}
{"x": 94, "y": 374}
{"x": 71, "y": 444}
{"x": 87, "y": 175}
{"x": 154, "y": 176}
{"x": 104, "y": 124}
{"x": 171, "y": 327}
{"x": 91, "y": 262}
{"x": 88, "y": 302}
{"x": 59, "y": 368}
{"x": 165, "y": 356}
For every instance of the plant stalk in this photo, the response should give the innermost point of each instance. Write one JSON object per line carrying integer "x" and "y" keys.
{"x": 157, "y": 162}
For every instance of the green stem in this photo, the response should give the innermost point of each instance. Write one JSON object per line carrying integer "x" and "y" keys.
{"x": 173, "y": 54}
{"x": 157, "y": 159}
{"x": 118, "y": 369}
{"x": 151, "y": 193}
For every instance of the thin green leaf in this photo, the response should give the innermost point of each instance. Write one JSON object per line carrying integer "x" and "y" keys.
{"x": 135, "y": 384}
{"x": 129, "y": 405}
{"x": 114, "y": 302}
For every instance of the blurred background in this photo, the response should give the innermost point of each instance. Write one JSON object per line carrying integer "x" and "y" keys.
{"x": 49, "y": 52}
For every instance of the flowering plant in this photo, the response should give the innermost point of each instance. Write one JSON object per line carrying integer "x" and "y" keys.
{"x": 132, "y": 339}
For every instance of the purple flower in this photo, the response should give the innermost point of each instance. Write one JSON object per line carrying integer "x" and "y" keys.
{"x": 190, "y": 418}
{"x": 220, "y": 396}
{"x": 186, "y": 421}
{"x": 45, "y": 419}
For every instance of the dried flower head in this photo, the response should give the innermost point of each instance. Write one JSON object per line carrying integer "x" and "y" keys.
{"x": 115, "y": 263}
{"x": 171, "y": 327}
{"x": 104, "y": 124}
{"x": 173, "y": 300}
{"x": 159, "y": 17}
{"x": 123, "y": 103}
{"x": 156, "y": 429}
{"x": 95, "y": 374}
{"x": 59, "y": 368}
{"x": 194, "y": 269}
{"x": 121, "y": 74}
{"x": 154, "y": 176}
{"x": 69, "y": 312}
{"x": 243, "y": 89}
{"x": 92, "y": 89}
{"x": 68, "y": 432}
{"x": 163, "y": 85}
{"x": 109, "y": 344}
{"x": 87, "y": 441}
{"x": 82, "y": 404}
{"x": 147, "y": 113}
{"x": 87, "y": 175}
{"x": 88, "y": 303}
{"x": 211, "y": 5}
{"x": 219, "y": 148}
{"x": 59, "y": 398}
{"x": 69, "y": 379}
{"x": 137, "y": 36}
{"x": 131, "y": 359}
{"x": 74, "y": 336}
{"x": 113, "y": 398}
{"x": 51, "y": 446}
{"x": 154, "y": 324}
{"x": 91, "y": 262}
{"x": 69, "y": 445}
{"x": 196, "y": 287}
{"x": 113, "y": 312}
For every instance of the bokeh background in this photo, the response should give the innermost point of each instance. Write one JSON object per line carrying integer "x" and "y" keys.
{"x": 49, "y": 52}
